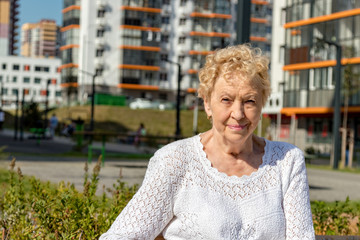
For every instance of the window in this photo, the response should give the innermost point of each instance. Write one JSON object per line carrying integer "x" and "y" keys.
{"x": 163, "y": 76}
{"x": 99, "y": 52}
{"x": 26, "y": 80}
{"x": 4, "y": 91}
{"x": 14, "y": 91}
{"x": 26, "y": 68}
{"x": 14, "y": 80}
{"x": 4, "y": 66}
{"x": 100, "y": 32}
{"x": 46, "y": 69}
{"x": 181, "y": 59}
{"x": 16, "y": 67}
{"x": 182, "y": 21}
{"x": 164, "y": 38}
{"x": 163, "y": 57}
{"x": 165, "y": 20}
{"x": 37, "y": 68}
{"x": 182, "y": 40}
{"x": 101, "y": 13}
{"x": 58, "y": 94}
{"x": 99, "y": 71}
{"x": 37, "y": 80}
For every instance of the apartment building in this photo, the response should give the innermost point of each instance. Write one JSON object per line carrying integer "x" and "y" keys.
{"x": 8, "y": 26}
{"x": 307, "y": 83}
{"x": 32, "y": 76}
{"x": 39, "y": 39}
{"x": 137, "y": 47}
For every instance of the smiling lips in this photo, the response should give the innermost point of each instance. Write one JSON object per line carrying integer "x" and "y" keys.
{"x": 237, "y": 126}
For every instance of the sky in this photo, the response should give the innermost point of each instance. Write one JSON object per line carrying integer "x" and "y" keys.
{"x": 33, "y": 11}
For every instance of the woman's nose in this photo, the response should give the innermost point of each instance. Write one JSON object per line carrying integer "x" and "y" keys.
{"x": 237, "y": 111}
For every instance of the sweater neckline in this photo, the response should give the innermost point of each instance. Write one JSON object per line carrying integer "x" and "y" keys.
{"x": 214, "y": 171}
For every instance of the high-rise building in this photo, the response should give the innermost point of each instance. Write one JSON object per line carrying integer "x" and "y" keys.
{"x": 304, "y": 64}
{"x": 8, "y": 26}
{"x": 137, "y": 47}
{"x": 39, "y": 39}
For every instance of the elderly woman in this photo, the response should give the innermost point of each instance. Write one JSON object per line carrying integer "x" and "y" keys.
{"x": 225, "y": 183}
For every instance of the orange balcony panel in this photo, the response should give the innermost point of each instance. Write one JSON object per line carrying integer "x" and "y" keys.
{"x": 141, "y": 9}
{"x": 191, "y": 90}
{"x": 210, "y": 15}
{"x": 69, "y": 65}
{"x": 140, "y": 48}
{"x": 192, "y": 71}
{"x": 210, "y": 34}
{"x": 258, "y": 39}
{"x": 62, "y": 48}
{"x": 320, "y": 64}
{"x": 141, "y": 28}
{"x": 193, "y": 52}
{"x": 325, "y": 18}
{"x": 70, "y": 8}
{"x": 355, "y": 60}
{"x": 295, "y": 32}
{"x": 257, "y": 2}
{"x": 73, "y": 26}
{"x": 258, "y": 20}
{"x": 138, "y": 86}
{"x": 316, "y": 110}
{"x": 139, "y": 67}
{"x": 71, "y": 84}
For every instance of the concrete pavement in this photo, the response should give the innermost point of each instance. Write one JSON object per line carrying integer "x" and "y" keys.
{"x": 35, "y": 160}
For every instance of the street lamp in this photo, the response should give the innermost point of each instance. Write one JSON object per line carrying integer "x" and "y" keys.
{"x": 337, "y": 99}
{"x": 178, "y": 130}
{"x": 93, "y": 75}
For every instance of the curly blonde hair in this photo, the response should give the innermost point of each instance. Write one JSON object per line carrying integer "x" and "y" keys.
{"x": 240, "y": 58}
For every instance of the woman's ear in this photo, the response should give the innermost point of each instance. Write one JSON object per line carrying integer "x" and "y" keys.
{"x": 207, "y": 107}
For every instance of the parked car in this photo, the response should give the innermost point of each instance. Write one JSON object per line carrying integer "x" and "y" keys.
{"x": 162, "y": 105}
{"x": 140, "y": 103}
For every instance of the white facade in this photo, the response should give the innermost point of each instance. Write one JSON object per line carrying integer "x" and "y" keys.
{"x": 32, "y": 74}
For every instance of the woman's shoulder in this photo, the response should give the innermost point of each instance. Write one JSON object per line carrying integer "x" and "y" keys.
{"x": 283, "y": 152}
{"x": 177, "y": 147}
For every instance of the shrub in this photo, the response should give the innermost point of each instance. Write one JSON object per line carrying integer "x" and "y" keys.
{"x": 48, "y": 211}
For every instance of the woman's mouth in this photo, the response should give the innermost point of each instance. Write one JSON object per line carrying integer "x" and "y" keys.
{"x": 237, "y": 127}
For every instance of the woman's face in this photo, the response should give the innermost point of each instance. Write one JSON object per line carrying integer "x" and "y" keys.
{"x": 235, "y": 107}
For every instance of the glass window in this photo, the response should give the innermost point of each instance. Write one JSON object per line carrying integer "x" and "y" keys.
{"x": 14, "y": 91}
{"x": 37, "y": 80}
{"x": 26, "y": 80}
{"x": 16, "y": 67}
{"x": 3, "y": 66}
{"x": 14, "y": 79}
{"x": 46, "y": 69}
{"x": 182, "y": 21}
{"x": 37, "y": 68}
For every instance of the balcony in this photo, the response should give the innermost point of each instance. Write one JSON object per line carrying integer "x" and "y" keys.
{"x": 101, "y": 22}
{"x": 100, "y": 42}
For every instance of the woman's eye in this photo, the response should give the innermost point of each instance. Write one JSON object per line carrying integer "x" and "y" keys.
{"x": 250, "y": 101}
{"x": 225, "y": 100}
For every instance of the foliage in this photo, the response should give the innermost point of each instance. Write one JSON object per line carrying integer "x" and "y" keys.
{"x": 46, "y": 211}
{"x": 339, "y": 218}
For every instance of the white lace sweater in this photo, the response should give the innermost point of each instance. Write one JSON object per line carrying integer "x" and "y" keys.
{"x": 183, "y": 197}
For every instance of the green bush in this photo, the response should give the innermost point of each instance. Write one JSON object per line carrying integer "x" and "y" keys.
{"x": 47, "y": 211}
{"x": 338, "y": 218}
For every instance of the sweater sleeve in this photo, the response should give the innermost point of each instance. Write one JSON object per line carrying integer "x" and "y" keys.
{"x": 150, "y": 210}
{"x": 297, "y": 208}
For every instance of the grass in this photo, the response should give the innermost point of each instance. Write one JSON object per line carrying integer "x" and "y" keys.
{"x": 124, "y": 119}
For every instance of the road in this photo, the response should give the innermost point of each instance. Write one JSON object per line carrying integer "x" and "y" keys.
{"x": 35, "y": 160}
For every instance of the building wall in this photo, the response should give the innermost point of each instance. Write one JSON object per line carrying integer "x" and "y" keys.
{"x": 8, "y": 26}
{"x": 308, "y": 82}
{"x": 125, "y": 43}
{"x": 19, "y": 73}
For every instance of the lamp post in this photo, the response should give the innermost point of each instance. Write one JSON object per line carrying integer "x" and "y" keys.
{"x": 337, "y": 100}
{"x": 16, "y": 115}
{"x": 178, "y": 129}
{"x": 92, "y": 97}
